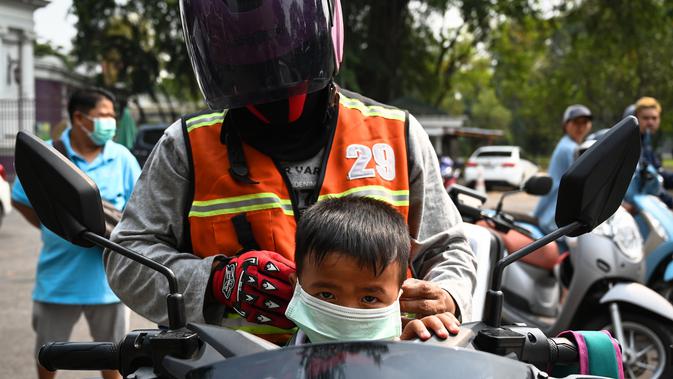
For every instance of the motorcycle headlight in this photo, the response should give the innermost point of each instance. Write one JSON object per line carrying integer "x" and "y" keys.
{"x": 622, "y": 229}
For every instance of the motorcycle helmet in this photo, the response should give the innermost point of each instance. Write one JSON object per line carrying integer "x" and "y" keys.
{"x": 247, "y": 52}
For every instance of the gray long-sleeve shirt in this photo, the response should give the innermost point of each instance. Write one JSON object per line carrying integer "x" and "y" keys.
{"x": 153, "y": 225}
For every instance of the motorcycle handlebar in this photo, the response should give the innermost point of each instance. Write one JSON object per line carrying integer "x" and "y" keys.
{"x": 563, "y": 351}
{"x": 79, "y": 356}
{"x": 105, "y": 355}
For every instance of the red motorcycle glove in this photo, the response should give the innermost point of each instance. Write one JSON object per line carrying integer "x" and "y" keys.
{"x": 256, "y": 285}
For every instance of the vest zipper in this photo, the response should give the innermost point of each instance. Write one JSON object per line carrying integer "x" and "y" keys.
{"x": 290, "y": 189}
{"x": 332, "y": 119}
{"x": 328, "y": 150}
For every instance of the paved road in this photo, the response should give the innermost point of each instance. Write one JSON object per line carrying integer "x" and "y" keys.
{"x": 19, "y": 248}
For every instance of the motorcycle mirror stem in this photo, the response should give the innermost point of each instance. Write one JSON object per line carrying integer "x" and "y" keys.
{"x": 175, "y": 302}
{"x": 498, "y": 208}
{"x": 494, "y": 296}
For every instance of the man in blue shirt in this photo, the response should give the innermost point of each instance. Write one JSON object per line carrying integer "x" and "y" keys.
{"x": 576, "y": 126}
{"x": 71, "y": 280}
{"x": 648, "y": 112}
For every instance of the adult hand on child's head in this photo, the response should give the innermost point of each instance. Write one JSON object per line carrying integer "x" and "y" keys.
{"x": 425, "y": 298}
{"x": 440, "y": 324}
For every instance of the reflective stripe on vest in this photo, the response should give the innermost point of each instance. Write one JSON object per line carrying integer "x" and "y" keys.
{"x": 373, "y": 110}
{"x": 394, "y": 198}
{"x": 205, "y": 120}
{"x": 235, "y": 321}
{"x": 240, "y": 204}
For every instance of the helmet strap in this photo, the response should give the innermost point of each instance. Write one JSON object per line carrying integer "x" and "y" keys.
{"x": 283, "y": 112}
{"x": 296, "y": 107}
{"x": 255, "y": 112}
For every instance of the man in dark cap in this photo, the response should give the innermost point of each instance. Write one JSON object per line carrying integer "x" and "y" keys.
{"x": 576, "y": 126}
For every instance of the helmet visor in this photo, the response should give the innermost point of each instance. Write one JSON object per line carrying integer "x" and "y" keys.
{"x": 258, "y": 51}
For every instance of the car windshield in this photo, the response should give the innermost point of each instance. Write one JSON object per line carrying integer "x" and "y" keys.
{"x": 499, "y": 154}
{"x": 366, "y": 360}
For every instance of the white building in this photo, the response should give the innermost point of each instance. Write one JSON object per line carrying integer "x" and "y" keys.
{"x": 17, "y": 75}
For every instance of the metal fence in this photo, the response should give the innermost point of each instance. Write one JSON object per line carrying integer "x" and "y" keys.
{"x": 15, "y": 116}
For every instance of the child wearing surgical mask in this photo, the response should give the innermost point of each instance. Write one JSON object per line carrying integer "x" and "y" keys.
{"x": 352, "y": 255}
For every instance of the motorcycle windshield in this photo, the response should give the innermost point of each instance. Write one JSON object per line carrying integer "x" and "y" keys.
{"x": 366, "y": 360}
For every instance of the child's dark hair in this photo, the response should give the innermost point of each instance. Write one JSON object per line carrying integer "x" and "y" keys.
{"x": 368, "y": 230}
{"x": 84, "y": 100}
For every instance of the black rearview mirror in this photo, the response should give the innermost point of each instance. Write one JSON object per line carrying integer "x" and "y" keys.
{"x": 539, "y": 185}
{"x": 65, "y": 199}
{"x": 593, "y": 187}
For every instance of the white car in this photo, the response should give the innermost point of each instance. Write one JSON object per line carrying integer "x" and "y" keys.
{"x": 498, "y": 165}
{"x": 5, "y": 194}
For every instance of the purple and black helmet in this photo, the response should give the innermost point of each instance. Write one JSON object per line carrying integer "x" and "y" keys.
{"x": 258, "y": 51}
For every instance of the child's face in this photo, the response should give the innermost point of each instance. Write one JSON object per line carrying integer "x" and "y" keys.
{"x": 340, "y": 280}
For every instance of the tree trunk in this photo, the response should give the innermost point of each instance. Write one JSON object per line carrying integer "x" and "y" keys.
{"x": 160, "y": 109}
{"x": 141, "y": 111}
{"x": 171, "y": 108}
{"x": 378, "y": 72}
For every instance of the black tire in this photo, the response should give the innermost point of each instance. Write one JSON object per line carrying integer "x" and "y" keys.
{"x": 664, "y": 288}
{"x": 642, "y": 331}
{"x": 658, "y": 283}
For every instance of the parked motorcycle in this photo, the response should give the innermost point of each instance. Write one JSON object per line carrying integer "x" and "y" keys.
{"x": 655, "y": 222}
{"x": 449, "y": 170}
{"x": 597, "y": 287}
{"x": 68, "y": 203}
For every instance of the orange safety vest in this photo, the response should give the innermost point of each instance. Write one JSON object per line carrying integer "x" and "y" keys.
{"x": 367, "y": 156}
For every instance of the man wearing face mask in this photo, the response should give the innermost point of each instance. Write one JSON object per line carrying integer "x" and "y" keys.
{"x": 70, "y": 280}
{"x": 279, "y": 136}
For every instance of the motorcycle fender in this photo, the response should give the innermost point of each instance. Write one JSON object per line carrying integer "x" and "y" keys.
{"x": 640, "y": 296}
{"x": 668, "y": 273}
{"x": 663, "y": 251}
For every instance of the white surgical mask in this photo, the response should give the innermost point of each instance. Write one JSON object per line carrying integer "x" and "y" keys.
{"x": 323, "y": 321}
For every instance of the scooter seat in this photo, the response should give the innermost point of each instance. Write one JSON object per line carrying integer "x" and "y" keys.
{"x": 545, "y": 257}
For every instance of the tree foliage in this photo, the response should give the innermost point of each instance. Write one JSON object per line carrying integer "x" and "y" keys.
{"x": 397, "y": 48}
{"x": 604, "y": 54}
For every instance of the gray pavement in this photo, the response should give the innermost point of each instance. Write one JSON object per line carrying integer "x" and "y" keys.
{"x": 19, "y": 249}
{"x": 520, "y": 202}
